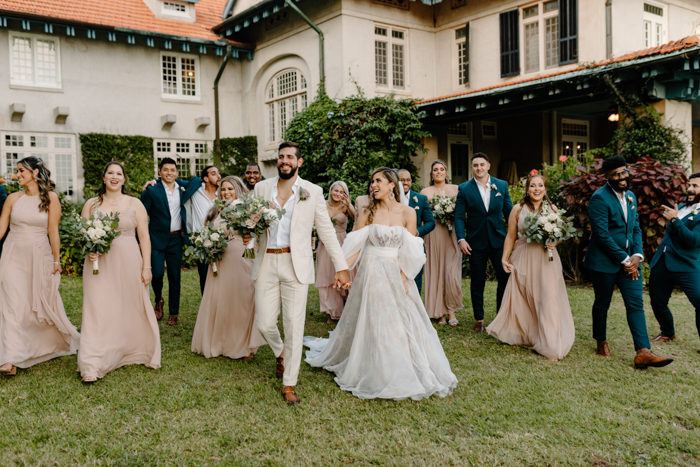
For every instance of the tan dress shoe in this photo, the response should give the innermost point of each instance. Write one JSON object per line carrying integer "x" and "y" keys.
{"x": 159, "y": 309}
{"x": 279, "y": 370}
{"x": 662, "y": 338}
{"x": 647, "y": 358}
{"x": 290, "y": 396}
{"x": 172, "y": 321}
{"x": 603, "y": 349}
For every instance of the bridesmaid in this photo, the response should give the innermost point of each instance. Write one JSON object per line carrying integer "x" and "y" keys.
{"x": 443, "y": 267}
{"x": 119, "y": 326}
{"x": 226, "y": 320}
{"x": 535, "y": 312}
{"x": 340, "y": 208}
{"x": 34, "y": 327}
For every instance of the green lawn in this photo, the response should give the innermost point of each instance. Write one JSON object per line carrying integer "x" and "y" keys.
{"x": 512, "y": 406}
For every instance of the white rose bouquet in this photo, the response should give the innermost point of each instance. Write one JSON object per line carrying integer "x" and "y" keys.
{"x": 95, "y": 235}
{"x": 443, "y": 208}
{"x": 208, "y": 245}
{"x": 250, "y": 215}
{"x": 548, "y": 226}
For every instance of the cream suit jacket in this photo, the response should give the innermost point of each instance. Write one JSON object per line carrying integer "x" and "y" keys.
{"x": 306, "y": 213}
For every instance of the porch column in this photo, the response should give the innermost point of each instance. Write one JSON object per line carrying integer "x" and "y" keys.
{"x": 679, "y": 115}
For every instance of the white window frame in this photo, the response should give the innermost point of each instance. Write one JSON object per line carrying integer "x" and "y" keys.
{"x": 34, "y": 83}
{"x": 275, "y": 126}
{"x": 50, "y": 154}
{"x": 575, "y": 139}
{"x": 390, "y": 42}
{"x": 194, "y": 159}
{"x": 541, "y": 20}
{"x": 651, "y": 23}
{"x": 166, "y": 11}
{"x": 197, "y": 75}
{"x": 457, "y": 43}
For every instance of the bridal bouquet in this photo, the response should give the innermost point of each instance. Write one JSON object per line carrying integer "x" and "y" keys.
{"x": 443, "y": 208}
{"x": 250, "y": 215}
{"x": 208, "y": 245}
{"x": 548, "y": 226}
{"x": 95, "y": 235}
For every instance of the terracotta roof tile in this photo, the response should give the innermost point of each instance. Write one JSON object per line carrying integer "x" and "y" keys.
{"x": 131, "y": 14}
{"x": 661, "y": 49}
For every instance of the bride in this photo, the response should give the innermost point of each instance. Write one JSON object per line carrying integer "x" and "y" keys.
{"x": 384, "y": 345}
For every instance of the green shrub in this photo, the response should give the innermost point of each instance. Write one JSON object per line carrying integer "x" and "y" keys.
{"x": 235, "y": 154}
{"x": 71, "y": 257}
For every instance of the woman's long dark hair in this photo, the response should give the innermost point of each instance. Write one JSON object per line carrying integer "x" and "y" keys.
{"x": 43, "y": 180}
{"x": 526, "y": 201}
{"x": 103, "y": 188}
{"x": 240, "y": 188}
{"x": 393, "y": 177}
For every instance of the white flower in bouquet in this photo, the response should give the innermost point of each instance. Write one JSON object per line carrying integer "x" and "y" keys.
{"x": 106, "y": 228}
{"x": 91, "y": 233}
{"x": 553, "y": 216}
{"x": 548, "y": 227}
{"x": 214, "y": 237}
{"x": 95, "y": 235}
{"x": 97, "y": 224}
{"x": 99, "y": 232}
{"x": 250, "y": 223}
{"x": 207, "y": 243}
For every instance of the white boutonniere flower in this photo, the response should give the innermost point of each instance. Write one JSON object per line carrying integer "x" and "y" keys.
{"x": 415, "y": 199}
{"x": 303, "y": 194}
{"x": 630, "y": 200}
{"x": 695, "y": 212}
{"x": 182, "y": 189}
{"x": 494, "y": 187}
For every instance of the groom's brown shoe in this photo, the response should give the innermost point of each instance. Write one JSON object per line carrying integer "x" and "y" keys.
{"x": 648, "y": 358}
{"x": 603, "y": 349}
{"x": 159, "y": 309}
{"x": 479, "y": 327}
{"x": 279, "y": 370}
{"x": 172, "y": 321}
{"x": 662, "y": 338}
{"x": 289, "y": 395}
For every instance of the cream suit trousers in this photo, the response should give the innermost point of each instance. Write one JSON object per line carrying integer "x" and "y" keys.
{"x": 278, "y": 284}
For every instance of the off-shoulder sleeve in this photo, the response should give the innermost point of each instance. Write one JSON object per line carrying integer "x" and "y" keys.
{"x": 354, "y": 242}
{"x": 411, "y": 255}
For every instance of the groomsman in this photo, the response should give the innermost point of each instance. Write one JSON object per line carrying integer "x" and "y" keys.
{"x": 167, "y": 226}
{"x": 677, "y": 261}
{"x": 252, "y": 175}
{"x": 613, "y": 257}
{"x": 426, "y": 222}
{"x": 3, "y": 197}
{"x": 485, "y": 201}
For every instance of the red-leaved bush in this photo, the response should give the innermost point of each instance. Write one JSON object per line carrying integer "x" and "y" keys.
{"x": 653, "y": 183}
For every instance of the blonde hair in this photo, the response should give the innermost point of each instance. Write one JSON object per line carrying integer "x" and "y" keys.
{"x": 238, "y": 185}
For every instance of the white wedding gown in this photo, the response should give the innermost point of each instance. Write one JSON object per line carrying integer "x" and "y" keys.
{"x": 384, "y": 345}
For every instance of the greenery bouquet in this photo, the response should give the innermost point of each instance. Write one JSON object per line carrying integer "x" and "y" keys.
{"x": 250, "y": 215}
{"x": 443, "y": 208}
{"x": 548, "y": 226}
{"x": 95, "y": 235}
{"x": 208, "y": 245}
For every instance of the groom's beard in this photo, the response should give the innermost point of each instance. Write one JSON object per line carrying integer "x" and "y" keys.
{"x": 287, "y": 176}
{"x": 615, "y": 184}
{"x": 693, "y": 199}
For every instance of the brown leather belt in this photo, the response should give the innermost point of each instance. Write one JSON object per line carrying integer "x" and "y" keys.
{"x": 277, "y": 251}
{"x": 175, "y": 232}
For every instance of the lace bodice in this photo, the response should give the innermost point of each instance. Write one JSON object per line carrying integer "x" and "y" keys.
{"x": 385, "y": 235}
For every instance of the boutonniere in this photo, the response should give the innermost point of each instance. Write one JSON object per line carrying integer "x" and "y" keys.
{"x": 690, "y": 218}
{"x": 303, "y": 194}
{"x": 182, "y": 189}
{"x": 494, "y": 187}
{"x": 630, "y": 200}
{"x": 695, "y": 212}
{"x": 415, "y": 199}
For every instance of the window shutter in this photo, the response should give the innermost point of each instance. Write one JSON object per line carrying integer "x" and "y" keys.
{"x": 510, "y": 53}
{"x": 568, "y": 31}
{"x": 465, "y": 65}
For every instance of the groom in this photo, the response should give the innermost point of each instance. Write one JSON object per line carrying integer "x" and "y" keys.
{"x": 486, "y": 202}
{"x": 284, "y": 265}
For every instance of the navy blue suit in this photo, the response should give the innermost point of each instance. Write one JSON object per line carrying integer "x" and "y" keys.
{"x": 676, "y": 262}
{"x": 3, "y": 197}
{"x": 486, "y": 234}
{"x": 166, "y": 246}
{"x": 425, "y": 223}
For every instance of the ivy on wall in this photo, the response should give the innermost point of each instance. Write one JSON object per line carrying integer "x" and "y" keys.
{"x": 135, "y": 152}
{"x": 235, "y": 154}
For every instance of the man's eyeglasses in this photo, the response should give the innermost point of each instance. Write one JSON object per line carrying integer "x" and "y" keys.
{"x": 619, "y": 175}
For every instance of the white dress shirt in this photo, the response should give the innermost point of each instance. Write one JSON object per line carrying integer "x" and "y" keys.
{"x": 623, "y": 203}
{"x": 174, "y": 204}
{"x": 199, "y": 207}
{"x": 279, "y": 233}
{"x": 485, "y": 192}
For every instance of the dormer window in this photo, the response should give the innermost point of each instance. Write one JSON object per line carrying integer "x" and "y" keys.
{"x": 175, "y": 8}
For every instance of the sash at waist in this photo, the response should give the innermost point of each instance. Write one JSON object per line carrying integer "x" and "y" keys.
{"x": 385, "y": 252}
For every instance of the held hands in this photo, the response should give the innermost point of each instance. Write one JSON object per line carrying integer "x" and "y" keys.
{"x": 464, "y": 246}
{"x": 342, "y": 280}
{"x": 632, "y": 267}
{"x": 669, "y": 212}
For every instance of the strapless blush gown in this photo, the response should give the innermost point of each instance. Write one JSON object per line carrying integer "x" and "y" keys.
{"x": 331, "y": 300}
{"x": 119, "y": 326}
{"x": 34, "y": 327}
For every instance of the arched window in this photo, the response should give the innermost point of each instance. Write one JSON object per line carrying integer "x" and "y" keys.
{"x": 285, "y": 97}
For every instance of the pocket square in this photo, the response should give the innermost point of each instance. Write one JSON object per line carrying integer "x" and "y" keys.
{"x": 690, "y": 218}
{"x": 634, "y": 207}
{"x": 416, "y": 208}
{"x": 497, "y": 195}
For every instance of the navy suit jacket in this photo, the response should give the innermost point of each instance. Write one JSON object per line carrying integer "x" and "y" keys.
{"x": 483, "y": 229}
{"x": 3, "y": 197}
{"x": 682, "y": 244}
{"x": 155, "y": 201}
{"x": 424, "y": 216}
{"x": 612, "y": 239}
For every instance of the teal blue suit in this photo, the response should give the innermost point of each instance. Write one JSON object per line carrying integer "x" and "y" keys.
{"x": 676, "y": 262}
{"x": 425, "y": 223}
{"x": 485, "y": 233}
{"x": 166, "y": 247}
{"x": 613, "y": 239}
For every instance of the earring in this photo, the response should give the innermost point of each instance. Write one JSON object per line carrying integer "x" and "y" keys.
{"x": 392, "y": 195}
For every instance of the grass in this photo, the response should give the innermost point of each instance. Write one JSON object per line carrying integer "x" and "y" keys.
{"x": 512, "y": 406}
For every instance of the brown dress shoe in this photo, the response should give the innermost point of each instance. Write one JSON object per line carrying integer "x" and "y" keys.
{"x": 648, "y": 358}
{"x": 603, "y": 349}
{"x": 662, "y": 338}
{"x": 279, "y": 370}
{"x": 479, "y": 327}
{"x": 289, "y": 395}
{"x": 172, "y": 321}
{"x": 159, "y": 310}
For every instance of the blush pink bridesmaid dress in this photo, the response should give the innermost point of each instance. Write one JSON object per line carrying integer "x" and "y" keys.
{"x": 119, "y": 326}
{"x": 443, "y": 272}
{"x": 34, "y": 327}
{"x": 331, "y": 300}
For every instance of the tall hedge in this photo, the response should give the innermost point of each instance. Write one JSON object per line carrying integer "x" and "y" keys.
{"x": 235, "y": 154}
{"x": 135, "y": 152}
